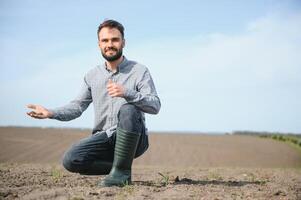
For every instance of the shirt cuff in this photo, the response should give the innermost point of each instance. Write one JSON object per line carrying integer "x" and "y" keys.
{"x": 54, "y": 112}
{"x": 129, "y": 94}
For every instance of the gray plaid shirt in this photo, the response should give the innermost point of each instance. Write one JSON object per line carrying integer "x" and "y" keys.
{"x": 139, "y": 90}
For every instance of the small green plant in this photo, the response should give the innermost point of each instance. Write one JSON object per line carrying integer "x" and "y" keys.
{"x": 56, "y": 174}
{"x": 252, "y": 177}
{"x": 126, "y": 183}
{"x": 126, "y": 191}
{"x": 129, "y": 189}
{"x": 215, "y": 176}
{"x": 77, "y": 198}
{"x": 165, "y": 179}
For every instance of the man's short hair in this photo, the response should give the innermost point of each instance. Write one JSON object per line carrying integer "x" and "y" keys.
{"x": 111, "y": 24}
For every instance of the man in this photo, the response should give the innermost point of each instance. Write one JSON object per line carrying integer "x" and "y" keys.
{"x": 121, "y": 91}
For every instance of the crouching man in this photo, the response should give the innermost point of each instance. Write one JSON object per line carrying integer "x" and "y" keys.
{"x": 121, "y": 91}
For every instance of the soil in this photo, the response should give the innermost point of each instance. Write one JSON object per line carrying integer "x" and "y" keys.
{"x": 176, "y": 166}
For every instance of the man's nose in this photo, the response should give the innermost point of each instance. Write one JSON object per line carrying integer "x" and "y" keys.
{"x": 110, "y": 43}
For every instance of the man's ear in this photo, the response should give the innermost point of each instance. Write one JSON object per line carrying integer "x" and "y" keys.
{"x": 123, "y": 43}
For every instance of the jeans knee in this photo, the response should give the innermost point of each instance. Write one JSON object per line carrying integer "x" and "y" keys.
{"x": 130, "y": 118}
{"x": 128, "y": 111}
{"x": 69, "y": 163}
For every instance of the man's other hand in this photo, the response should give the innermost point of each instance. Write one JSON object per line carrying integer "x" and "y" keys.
{"x": 115, "y": 89}
{"x": 39, "y": 112}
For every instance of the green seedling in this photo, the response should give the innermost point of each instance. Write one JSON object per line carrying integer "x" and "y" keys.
{"x": 126, "y": 183}
{"x": 77, "y": 198}
{"x": 165, "y": 179}
{"x": 125, "y": 192}
{"x": 214, "y": 176}
{"x": 56, "y": 174}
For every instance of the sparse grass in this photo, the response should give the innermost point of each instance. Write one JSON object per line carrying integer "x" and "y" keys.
{"x": 294, "y": 139}
{"x": 165, "y": 179}
{"x": 290, "y": 139}
{"x": 126, "y": 191}
{"x": 214, "y": 176}
{"x": 251, "y": 177}
{"x": 126, "y": 183}
{"x": 77, "y": 198}
{"x": 254, "y": 179}
{"x": 56, "y": 174}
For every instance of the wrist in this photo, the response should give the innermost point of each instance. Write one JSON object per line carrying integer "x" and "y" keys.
{"x": 129, "y": 94}
{"x": 49, "y": 114}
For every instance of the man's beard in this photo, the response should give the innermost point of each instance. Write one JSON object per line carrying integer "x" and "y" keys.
{"x": 114, "y": 57}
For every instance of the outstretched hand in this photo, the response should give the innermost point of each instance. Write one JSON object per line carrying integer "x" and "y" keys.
{"x": 38, "y": 112}
{"x": 115, "y": 89}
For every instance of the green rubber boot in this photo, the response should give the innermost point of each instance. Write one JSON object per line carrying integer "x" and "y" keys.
{"x": 125, "y": 149}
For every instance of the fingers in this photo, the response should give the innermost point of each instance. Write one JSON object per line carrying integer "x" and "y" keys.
{"x": 110, "y": 84}
{"x": 36, "y": 115}
{"x": 32, "y": 106}
{"x": 31, "y": 113}
{"x": 114, "y": 89}
{"x": 110, "y": 87}
{"x": 113, "y": 93}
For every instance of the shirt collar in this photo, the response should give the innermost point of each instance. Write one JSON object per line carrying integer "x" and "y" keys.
{"x": 120, "y": 66}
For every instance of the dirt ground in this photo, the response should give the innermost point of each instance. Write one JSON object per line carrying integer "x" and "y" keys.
{"x": 175, "y": 167}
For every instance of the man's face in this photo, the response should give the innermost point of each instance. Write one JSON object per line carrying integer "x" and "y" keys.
{"x": 111, "y": 43}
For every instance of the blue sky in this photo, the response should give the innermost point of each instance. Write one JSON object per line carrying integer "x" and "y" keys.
{"x": 217, "y": 65}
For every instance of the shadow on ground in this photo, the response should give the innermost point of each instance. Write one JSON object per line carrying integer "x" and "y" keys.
{"x": 187, "y": 181}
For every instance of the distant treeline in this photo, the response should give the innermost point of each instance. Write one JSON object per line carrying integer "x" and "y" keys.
{"x": 294, "y": 139}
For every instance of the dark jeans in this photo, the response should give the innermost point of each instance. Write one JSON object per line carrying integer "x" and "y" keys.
{"x": 94, "y": 155}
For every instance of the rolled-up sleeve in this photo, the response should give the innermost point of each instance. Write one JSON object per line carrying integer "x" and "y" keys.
{"x": 76, "y": 107}
{"x": 145, "y": 96}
